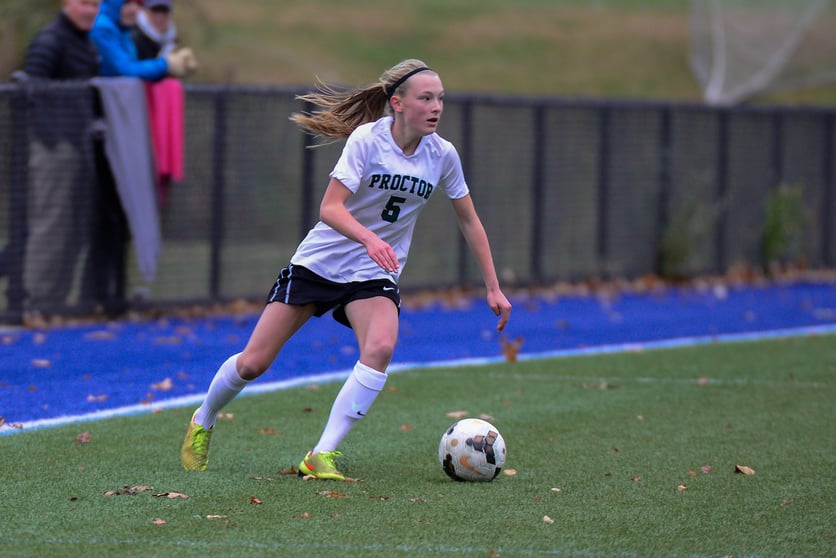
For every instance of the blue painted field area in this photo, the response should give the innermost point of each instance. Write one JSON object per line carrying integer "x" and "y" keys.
{"x": 82, "y": 372}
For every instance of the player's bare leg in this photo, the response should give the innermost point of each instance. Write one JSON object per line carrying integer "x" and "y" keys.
{"x": 278, "y": 322}
{"x": 375, "y": 323}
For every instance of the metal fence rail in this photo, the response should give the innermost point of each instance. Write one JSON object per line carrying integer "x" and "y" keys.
{"x": 567, "y": 188}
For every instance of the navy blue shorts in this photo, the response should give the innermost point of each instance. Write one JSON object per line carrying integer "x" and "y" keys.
{"x": 299, "y": 285}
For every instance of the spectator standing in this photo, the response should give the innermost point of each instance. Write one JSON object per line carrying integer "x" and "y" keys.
{"x": 58, "y": 196}
{"x": 155, "y": 33}
{"x": 119, "y": 58}
{"x": 112, "y": 36}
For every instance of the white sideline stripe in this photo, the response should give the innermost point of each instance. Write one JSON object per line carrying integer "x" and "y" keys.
{"x": 410, "y": 548}
{"x": 707, "y": 380}
{"x": 328, "y": 377}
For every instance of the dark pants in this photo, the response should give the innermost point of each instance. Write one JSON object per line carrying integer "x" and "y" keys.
{"x": 104, "y": 278}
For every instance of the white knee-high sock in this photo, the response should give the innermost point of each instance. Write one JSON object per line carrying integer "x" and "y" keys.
{"x": 352, "y": 403}
{"x": 224, "y": 387}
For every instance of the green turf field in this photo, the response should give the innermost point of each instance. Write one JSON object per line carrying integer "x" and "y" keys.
{"x": 627, "y": 454}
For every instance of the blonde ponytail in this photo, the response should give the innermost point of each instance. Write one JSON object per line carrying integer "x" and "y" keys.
{"x": 340, "y": 112}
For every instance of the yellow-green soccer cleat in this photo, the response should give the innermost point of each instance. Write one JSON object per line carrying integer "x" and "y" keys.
{"x": 321, "y": 466}
{"x": 195, "y": 452}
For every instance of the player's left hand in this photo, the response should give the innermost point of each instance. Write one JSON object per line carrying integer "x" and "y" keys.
{"x": 500, "y": 305}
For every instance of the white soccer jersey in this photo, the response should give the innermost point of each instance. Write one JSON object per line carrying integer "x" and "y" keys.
{"x": 389, "y": 191}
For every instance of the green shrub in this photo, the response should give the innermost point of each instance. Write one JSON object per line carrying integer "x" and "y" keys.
{"x": 781, "y": 240}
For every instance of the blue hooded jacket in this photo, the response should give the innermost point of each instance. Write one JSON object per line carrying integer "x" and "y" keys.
{"x": 116, "y": 47}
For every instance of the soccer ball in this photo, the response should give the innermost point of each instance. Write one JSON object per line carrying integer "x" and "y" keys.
{"x": 472, "y": 450}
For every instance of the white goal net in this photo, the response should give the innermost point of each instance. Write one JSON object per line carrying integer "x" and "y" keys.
{"x": 741, "y": 48}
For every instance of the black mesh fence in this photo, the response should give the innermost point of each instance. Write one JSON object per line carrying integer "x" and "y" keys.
{"x": 567, "y": 189}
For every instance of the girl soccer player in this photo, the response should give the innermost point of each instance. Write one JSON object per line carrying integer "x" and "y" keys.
{"x": 350, "y": 261}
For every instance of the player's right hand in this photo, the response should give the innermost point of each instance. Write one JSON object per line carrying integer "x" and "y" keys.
{"x": 383, "y": 255}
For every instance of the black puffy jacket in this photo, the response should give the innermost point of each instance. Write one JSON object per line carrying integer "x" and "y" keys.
{"x": 60, "y": 51}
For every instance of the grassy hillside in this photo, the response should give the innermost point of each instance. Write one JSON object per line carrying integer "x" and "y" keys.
{"x": 604, "y": 48}
{"x": 591, "y": 48}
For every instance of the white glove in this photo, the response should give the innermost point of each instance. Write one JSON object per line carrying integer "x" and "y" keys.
{"x": 181, "y": 62}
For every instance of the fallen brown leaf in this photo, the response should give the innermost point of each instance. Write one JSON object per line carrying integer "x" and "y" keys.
{"x": 100, "y": 336}
{"x": 269, "y": 432}
{"x": 547, "y": 520}
{"x": 172, "y": 495}
{"x": 83, "y": 438}
{"x": 602, "y": 385}
{"x": 128, "y": 490}
{"x": 457, "y": 414}
{"x": 158, "y": 521}
{"x": 216, "y": 516}
{"x": 511, "y": 349}
{"x": 165, "y": 385}
{"x": 509, "y": 472}
{"x": 332, "y": 494}
{"x": 255, "y": 501}
{"x": 682, "y": 488}
{"x": 169, "y": 340}
{"x": 743, "y": 469}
